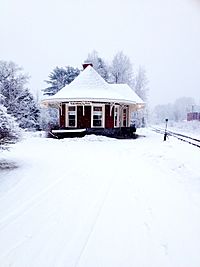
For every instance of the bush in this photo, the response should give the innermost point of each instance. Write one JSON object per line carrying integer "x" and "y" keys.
{"x": 9, "y": 129}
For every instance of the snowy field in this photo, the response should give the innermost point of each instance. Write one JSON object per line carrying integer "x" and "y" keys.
{"x": 100, "y": 202}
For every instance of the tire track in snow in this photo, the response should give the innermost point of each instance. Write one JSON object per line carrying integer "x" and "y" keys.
{"x": 94, "y": 223}
{"x": 31, "y": 203}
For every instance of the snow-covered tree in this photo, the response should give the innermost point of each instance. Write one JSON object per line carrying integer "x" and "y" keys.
{"x": 162, "y": 112}
{"x": 182, "y": 106}
{"x": 121, "y": 69}
{"x": 176, "y": 111}
{"x": 17, "y": 98}
{"x": 140, "y": 84}
{"x": 28, "y": 111}
{"x": 49, "y": 118}
{"x": 59, "y": 77}
{"x": 12, "y": 82}
{"x": 9, "y": 129}
{"x": 98, "y": 64}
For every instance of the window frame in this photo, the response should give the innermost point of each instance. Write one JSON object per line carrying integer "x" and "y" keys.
{"x": 116, "y": 125}
{"x": 126, "y": 112}
{"x": 67, "y": 116}
{"x": 103, "y": 115}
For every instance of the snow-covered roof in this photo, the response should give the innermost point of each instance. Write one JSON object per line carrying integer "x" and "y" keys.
{"x": 125, "y": 90}
{"x": 90, "y": 86}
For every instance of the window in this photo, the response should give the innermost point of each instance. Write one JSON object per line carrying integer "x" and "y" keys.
{"x": 116, "y": 117}
{"x": 97, "y": 116}
{"x": 71, "y": 116}
{"x": 124, "y": 117}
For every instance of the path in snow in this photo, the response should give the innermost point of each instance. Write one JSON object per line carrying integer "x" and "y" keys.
{"x": 101, "y": 202}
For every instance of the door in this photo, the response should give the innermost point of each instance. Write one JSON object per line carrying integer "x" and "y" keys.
{"x": 84, "y": 120}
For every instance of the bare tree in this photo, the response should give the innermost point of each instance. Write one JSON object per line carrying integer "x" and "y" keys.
{"x": 140, "y": 84}
{"x": 121, "y": 69}
{"x": 98, "y": 64}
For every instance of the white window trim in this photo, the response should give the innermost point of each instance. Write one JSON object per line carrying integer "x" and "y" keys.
{"x": 67, "y": 117}
{"x": 116, "y": 126}
{"x": 103, "y": 115}
{"x": 127, "y": 116}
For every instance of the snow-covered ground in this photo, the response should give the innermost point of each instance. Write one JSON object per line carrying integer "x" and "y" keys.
{"x": 189, "y": 128}
{"x": 97, "y": 201}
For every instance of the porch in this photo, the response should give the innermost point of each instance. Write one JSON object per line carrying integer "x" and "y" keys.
{"x": 119, "y": 133}
{"x": 93, "y": 115}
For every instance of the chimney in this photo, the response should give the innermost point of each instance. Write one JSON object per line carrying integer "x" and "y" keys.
{"x": 85, "y": 65}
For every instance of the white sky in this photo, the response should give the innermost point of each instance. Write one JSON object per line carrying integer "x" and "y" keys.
{"x": 163, "y": 36}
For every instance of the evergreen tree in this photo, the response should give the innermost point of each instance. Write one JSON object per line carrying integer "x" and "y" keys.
{"x": 17, "y": 99}
{"x": 9, "y": 129}
{"x": 60, "y": 77}
{"x": 28, "y": 112}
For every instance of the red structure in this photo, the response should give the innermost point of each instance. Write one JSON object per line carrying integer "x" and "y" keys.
{"x": 193, "y": 116}
{"x": 89, "y": 105}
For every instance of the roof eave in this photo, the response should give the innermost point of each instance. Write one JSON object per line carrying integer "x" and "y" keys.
{"x": 113, "y": 100}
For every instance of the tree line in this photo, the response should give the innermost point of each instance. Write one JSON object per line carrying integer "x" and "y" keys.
{"x": 176, "y": 111}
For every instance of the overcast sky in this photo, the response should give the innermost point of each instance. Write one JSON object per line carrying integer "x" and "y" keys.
{"x": 163, "y": 36}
